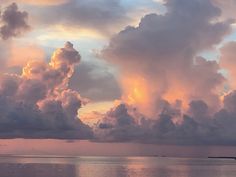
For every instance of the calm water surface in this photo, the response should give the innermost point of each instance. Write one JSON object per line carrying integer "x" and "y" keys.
{"x": 38, "y": 166}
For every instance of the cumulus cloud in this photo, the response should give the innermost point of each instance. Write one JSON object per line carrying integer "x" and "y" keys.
{"x": 39, "y": 104}
{"x": 171, "y": 95}
{"x": 159, "y": 58}
{"x": 124, "y": 123}
{"x": 13, "y": 22}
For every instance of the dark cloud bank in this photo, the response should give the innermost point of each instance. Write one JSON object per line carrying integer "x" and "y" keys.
{"x": 125, "y": 123}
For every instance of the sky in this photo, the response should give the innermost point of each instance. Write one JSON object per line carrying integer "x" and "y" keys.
{"x": 158, "y": 72}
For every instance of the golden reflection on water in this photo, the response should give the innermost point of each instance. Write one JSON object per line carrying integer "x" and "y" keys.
{"x": 115, "y": 167}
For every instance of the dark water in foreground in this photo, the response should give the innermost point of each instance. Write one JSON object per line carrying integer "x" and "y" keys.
{"x": 115, "y": 167}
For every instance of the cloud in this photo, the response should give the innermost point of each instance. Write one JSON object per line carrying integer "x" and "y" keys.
{"x": 125, "y": 123}
{"x": 159, "y": 1}
{"x": 38, "y": 103}
{"x": 159, "y": 58}
{"x": 199, "y": 110}
{"x": 104, "y": 16}
{"x": 13, "y": 22}
{"x": 4, "y": 47}
{"x": 227, "y": 61}
{"x": 171, "y": 95}
{"x": 118, "y": 125}
{"x": 227, "y": 8}
{"x": 44, "y": 2}
{"x": 37, "y": 3}
{"x": 95, "y": 82}
{"x": 20, "y": 54}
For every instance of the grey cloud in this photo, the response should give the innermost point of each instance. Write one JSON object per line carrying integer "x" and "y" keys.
{"x": 199, "y": 110}
{"x": 13, "y": 22}
{"x": 101, "y": 15}
{"x": 121, "y": 116}
{"x": 28, "y": 88}
{"x": 218, "y": 129}
{"x": 163, "y": 50}
{"x": 227, "y": 8}
{"x": 95, "y": 82}
{"x": 118, "y": 125}
{"x": 230, "y": 102}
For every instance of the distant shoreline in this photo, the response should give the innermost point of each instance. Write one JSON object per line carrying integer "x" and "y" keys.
{"x": 234, "y": 158}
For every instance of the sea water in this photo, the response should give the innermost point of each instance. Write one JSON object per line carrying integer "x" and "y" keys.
{"x": 56, "y": 166}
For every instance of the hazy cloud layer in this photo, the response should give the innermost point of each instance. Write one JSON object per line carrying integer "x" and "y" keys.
{"x": 44, "y": 2}
{"x": 103, "y": 16}
{"x": 37, "y": 3}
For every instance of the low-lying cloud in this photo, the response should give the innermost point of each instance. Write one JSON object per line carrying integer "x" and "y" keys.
{"x": 125, "y": 123}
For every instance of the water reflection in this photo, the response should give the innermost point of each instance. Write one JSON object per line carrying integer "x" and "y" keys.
{"x": 37, "y": 170}
{"x": 115, "y": 167}
{"x": 155, "y": 167}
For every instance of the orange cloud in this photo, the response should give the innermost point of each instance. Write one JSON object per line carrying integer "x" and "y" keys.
{"x": 92, "y": 112}
{"x": 40, "y": 2}
{"x": 45, "y": 2}
{"x": 20, "y": 55}
{"x": 136, "y": 91}
{"x": 228, "y": 62}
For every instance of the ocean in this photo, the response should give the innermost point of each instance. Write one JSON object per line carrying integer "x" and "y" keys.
{"x": 58, "y": 166}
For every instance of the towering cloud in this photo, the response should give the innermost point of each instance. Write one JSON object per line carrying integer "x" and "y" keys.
{"x": 13, "y": 22}
{"x": 164, "y": 78}
{"x": 158, "y": 59}
{"x": 38, "y": 104}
